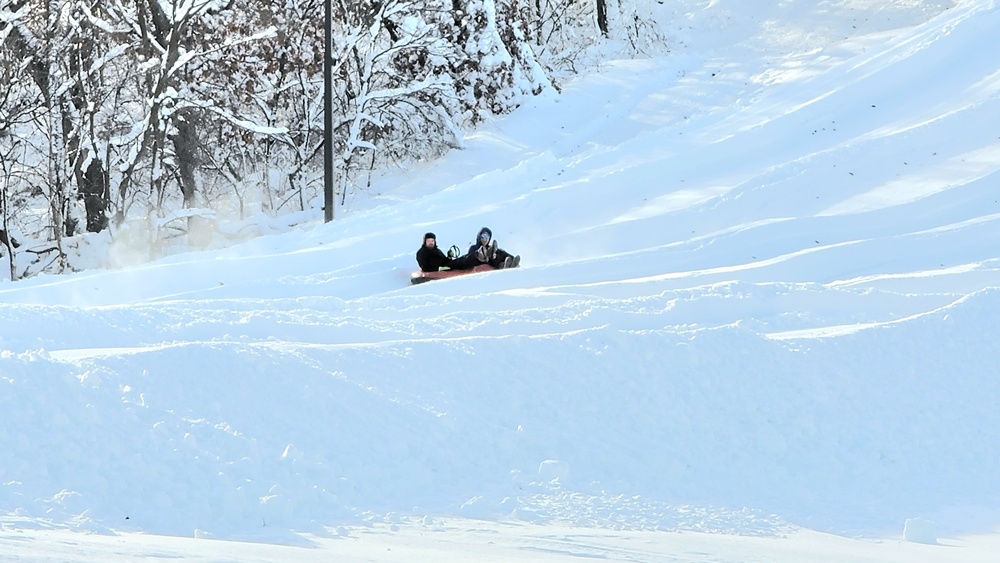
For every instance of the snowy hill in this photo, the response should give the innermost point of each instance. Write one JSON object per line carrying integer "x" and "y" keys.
{"x": 760, "y": 292}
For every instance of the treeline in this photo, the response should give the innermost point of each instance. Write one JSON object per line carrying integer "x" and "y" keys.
{"x": 164, "y": 110}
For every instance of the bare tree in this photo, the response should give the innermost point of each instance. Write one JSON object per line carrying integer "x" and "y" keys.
{"x": 8, "y": 146}
{"x": 277, "y": 87}
{"x": 171, "y": 44}
{"x": 15, "y": 110}
{"x": 392, "y": 99}
{"x": 163, "y": 108}
{"x": 61, "y": 46}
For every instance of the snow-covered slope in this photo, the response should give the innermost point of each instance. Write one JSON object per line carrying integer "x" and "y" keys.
{"x": 760, "y": 288}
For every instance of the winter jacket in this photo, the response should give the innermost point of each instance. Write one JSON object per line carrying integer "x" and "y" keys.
{"x": 474, "y": 249}
{"x": 432, "y": 259}
{"x": 485, "y": 253}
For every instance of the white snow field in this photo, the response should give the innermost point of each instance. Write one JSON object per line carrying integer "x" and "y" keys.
{"x": 757, "y": 319}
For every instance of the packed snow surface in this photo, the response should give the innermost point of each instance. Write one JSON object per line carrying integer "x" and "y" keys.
{"x": 759, "y": 302}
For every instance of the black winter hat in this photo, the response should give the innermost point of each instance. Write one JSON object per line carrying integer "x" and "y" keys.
{"x": 485, "y": 231}
{"x": 430, "y": 235}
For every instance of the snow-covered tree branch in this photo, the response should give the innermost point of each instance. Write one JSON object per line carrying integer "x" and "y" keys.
{"x": 123, "y": 110}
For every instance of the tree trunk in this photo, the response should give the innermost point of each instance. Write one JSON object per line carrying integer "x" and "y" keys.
{"x": 6, "y": 239}
{"x": 186, "y": 151}
{"x": 92, "y": 183}
{"x": 42, "y": 69}
{"x": 94, "y": 189}
{"x": 602, "y": 16}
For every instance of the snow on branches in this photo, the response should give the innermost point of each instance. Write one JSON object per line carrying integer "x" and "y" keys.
{"x": 137, "y": 109}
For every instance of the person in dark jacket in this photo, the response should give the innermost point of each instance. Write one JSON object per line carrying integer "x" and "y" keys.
{"x": 430, "y": 258}
{"x": 485, "y": 251}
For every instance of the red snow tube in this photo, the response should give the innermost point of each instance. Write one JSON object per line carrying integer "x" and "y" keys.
{"x": 421, "y": 277}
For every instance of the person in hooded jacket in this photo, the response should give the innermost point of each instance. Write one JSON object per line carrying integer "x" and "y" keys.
{"x": 485, "y": 251}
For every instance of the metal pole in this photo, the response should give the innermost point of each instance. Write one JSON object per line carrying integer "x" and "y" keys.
{"x": 328, "y": 200}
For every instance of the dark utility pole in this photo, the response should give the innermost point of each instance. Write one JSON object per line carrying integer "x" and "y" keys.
{"x": 328, "y": 114}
